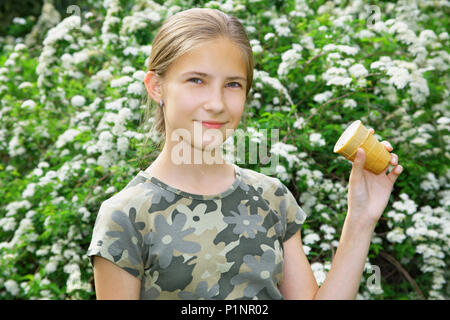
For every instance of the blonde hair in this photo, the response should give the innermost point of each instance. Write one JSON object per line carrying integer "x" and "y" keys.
{"x": 185, "y": 31}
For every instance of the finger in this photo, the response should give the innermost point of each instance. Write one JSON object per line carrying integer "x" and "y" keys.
{"x": 395, "y": 173}
{"x": 358, "y": 165}
{"x": 371, "y": 130}
{"x": 387, "y": 145}
{"x": 394, "y": 159}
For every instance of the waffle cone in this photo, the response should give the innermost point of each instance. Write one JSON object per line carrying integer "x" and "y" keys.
{"x": 357, "y": 136}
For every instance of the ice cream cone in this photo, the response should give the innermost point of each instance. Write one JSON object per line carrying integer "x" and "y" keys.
{"x": 357, "y": 136}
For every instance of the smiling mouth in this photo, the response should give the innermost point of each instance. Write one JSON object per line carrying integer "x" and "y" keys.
{"x": 211, "y": 124}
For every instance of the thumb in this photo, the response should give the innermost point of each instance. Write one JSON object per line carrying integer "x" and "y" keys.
{"x": 358, "y": 163}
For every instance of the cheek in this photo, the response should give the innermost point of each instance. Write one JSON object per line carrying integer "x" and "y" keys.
{"x": 237, "y": 108}
{"x": 183, "y": 103}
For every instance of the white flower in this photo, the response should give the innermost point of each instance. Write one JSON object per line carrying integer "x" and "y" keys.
{"x": 316, "y": 139}
{"x": 103, "y": 75}
{"x": 256, "y": 46}
{"x": 339, "y": 81}
{"x": 131, "y": 51}
{"x": 379, "y": 27}
{"x": 128, "y": 69}
{"x": 80, "y": 57}
{"x": 268, "y": 36}
{"x": 250, "y": 29}
{"x": 311, "y": 238}
{"x": 281, "y": 172}
{"x": 29, "y": 190}
{"x": 310, "y": 78}
{"x": 111, "y": 189}
{"x": 336, "y": 76}
{"x": 8, "y": 223}
{"x": 19, "y": 20}
{"x": 307, "y": 42}
{"x": 365, "y": 34}
{"x": 139, "y": 75}
{"x": 289, "y": 59}
{"x": 306, "y": 249}
{"x": 121, "y": 81}
{"x": 341, "y": 48}
{"x": 444, "y": 36}
{"x": 358, "y": 70}
{"x": 71, "y": 268}
{"x": 51, "y": 266}
{"x": 66, "y": 137}
{"x": 398, "y": 217}
{"x": 12, "y": 287}
{"x": 399, "y": 77}
{"x": 28, "y": 104}
{"x": 430, "y": 182}
{"x": 135, "y": 88}
{"x": 319, "y": 272}
{"x": 25, "y": 84}
{"x": 122, "y": 144}
{"x": 281, "y": 26}
{"x": 420, "y": 141}
{"x": 427, "y": 37}
{"x": 396, "y": 235}
{"x": 287, "y": 151}
{"x": 299, "y": 123}
{"x": 273, "y": 82}
{"x": 349, "y": 103}
{"x": 105, "y": 141}
{"x": 116, "y": 104}
{"x": 322, "y": 97}
{"x": 443, "y": 121}
{"x": 78, "y": 101}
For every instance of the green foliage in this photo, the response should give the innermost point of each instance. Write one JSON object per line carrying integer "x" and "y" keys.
{"x": 66, "y": 109}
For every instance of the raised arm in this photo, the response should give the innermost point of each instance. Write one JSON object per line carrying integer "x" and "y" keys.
{"x": 114, "y": 283}
{"x": 368, "y": 196}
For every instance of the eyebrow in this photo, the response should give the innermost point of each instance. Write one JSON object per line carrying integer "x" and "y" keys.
{"x": 208, "y": 76}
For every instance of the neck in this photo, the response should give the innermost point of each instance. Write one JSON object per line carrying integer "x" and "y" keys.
{"x": 182, "y": 160}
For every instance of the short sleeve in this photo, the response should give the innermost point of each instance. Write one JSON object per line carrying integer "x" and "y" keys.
{"x": 290, "y": 210}
{"x": 116, "y": 237}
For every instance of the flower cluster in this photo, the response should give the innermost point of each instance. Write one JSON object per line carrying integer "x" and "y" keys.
{"x": 71, "y": 134}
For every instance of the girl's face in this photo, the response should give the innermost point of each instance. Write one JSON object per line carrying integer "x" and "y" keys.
{"x": 206, "y": 84}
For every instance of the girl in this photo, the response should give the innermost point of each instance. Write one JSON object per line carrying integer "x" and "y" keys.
{"x": 199, "y": 230}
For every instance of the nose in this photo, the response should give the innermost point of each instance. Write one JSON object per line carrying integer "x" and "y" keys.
{"x": 215, "y": 102}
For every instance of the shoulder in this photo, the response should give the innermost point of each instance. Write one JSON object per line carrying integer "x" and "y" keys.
{"x": 259, "y": 180}
{"x": 270, "y": 188}
{"x": 131, "y": 202}
{"x": 127, "y": 194}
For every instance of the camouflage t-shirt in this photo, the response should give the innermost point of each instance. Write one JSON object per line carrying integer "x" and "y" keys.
{"x": 188, "y": 246}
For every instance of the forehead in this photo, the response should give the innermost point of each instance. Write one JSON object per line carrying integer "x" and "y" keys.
{"x": 216, "y": 58}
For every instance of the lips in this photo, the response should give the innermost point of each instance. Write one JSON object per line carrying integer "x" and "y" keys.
{"x": 212, "y": 124}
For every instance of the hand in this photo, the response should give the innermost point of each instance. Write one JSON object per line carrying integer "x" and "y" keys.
{"x": 368, "y": 193}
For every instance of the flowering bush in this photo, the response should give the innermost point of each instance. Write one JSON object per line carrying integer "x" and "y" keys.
{"x": 71, "y": 133}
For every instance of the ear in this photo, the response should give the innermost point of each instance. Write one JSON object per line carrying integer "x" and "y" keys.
{"x": 153, "y": 85}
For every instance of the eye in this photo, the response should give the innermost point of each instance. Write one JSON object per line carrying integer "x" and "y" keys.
{"x": 238, "y": 84}
{"x": 193, "y": 80}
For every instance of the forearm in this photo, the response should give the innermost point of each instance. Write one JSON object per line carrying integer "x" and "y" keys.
{"x": 343, "y": 279}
